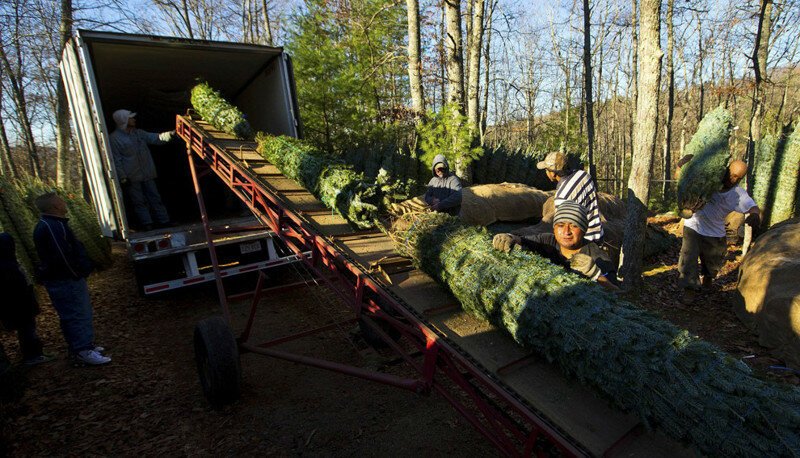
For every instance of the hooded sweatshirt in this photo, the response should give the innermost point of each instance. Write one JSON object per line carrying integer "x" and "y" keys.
{"x": 446, "y": 189}
{"x": 19, "y": 302}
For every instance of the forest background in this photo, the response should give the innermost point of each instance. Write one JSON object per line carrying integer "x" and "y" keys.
{"x": 526, "y": 77}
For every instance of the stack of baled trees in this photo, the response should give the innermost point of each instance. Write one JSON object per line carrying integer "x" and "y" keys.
{"x": 674, "y": 381}
{"x": 18, "y": 217}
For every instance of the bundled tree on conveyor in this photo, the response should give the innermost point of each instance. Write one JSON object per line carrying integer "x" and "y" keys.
{"x": 218, "y": 112}
{"x": 338, "y": 186}
{"x": 686, "y": 387}
{"x": 703, "y": 175}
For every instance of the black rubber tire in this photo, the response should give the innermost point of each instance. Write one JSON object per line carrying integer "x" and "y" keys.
{"x": 217, "y": 357}
{"x": 372, "y": 338}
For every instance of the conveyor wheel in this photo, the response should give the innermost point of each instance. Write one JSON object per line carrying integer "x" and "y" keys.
{"x": 217, "y": 357}
{"x": 372, "y": 337}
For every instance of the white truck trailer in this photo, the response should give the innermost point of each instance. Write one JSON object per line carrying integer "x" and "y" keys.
{"x": 153, "y": 76}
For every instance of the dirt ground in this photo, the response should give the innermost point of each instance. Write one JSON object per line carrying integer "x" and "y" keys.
{"x": 148, "y": 400}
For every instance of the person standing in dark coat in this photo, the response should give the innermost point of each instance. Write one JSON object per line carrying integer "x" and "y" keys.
{"x": 19, "y": 306}
{"x": 444, "y": 189}
{"x": 63, "y": 270}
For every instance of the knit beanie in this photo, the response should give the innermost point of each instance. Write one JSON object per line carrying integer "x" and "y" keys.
{"x": 571, "y": 212}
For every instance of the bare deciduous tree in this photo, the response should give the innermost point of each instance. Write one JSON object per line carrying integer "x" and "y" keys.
{"x": 645, "y": 133}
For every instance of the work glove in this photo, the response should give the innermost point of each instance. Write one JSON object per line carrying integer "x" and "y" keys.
{"x": 584, "y": 265}
{"x": 505, "y": 242}
{"x": 753, "y": 220}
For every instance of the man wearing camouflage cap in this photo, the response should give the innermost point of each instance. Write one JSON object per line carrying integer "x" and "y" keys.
{"x": 574, "y": 185}
{"x": 566, "y": 245}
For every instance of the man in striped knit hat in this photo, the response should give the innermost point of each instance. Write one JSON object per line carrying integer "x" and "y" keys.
{"x": 566, "y": 245}
{"x": 576, "y": 186}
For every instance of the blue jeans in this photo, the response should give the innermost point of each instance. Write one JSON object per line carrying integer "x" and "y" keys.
{"x": 71, "y": 300}
{"x": 146, "y": 201}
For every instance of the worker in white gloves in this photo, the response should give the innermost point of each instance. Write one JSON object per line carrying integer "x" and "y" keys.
{"x": 136, "y": 171}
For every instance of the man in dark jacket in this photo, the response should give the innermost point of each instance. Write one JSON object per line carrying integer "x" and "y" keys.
{"x": 19, "y": 306}
{"x": 64, "y": 266}
{"x": 444, "y": 189}
{"x": 566, "y": 245}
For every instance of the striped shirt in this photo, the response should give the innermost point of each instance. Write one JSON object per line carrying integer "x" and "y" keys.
{"x": 578, "y": 187}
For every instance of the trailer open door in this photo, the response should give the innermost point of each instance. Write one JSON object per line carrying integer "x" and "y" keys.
{"x": 91, "y": 135}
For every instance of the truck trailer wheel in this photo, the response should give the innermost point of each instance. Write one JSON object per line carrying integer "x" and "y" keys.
{"x": 217, "y": 357}
{"x": 373, "y": 338}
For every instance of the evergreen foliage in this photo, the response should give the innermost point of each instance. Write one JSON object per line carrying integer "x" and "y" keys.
{"x": 703, "y": 175}
{"x": 765, "y": 160}
{"x": 338, "y": 186}
{"x": 500, "y": 164}
{"x": 686, "y": 387}
{"x": 786, "y": 184}
{"x": 82, "y": 219}
{"x": 17, "y": 221}
{"x": 350, "y": 70}
{"x": 447, "y": 133}
{"x": 217, "y": 111}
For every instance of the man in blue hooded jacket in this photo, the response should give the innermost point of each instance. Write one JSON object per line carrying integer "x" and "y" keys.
{"x": 444, "y": 189}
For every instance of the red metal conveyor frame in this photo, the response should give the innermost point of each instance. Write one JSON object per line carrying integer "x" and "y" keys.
{"x": 510, "y": 423}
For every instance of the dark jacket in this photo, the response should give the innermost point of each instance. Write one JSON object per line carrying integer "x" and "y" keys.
{"x": 546, "y": 245}
{"x": 19, "y": 301}
{"x": 446, "y": 189}
{"x": 62, "y": 256}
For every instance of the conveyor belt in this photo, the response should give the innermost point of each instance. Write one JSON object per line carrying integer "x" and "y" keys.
{"x": 573, "y": 410}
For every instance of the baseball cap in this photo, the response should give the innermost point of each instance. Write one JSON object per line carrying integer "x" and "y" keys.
{"x": 555, "y": 162}
{"x": 121, "y": 117}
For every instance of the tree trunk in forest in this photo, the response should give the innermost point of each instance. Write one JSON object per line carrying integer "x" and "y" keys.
{"x": 62, "y": 113}
{"x": 414, "y": 62}
{"x": 487, "y": 64}
{"x": 760, "y": 55}
{"x": 645, "y": 133}
{"x": 455, "y": 54}
{"x": 634, "y": 57}
{"x": 700, "y": 58}
{"x": 18, "y": 96}
{"x": 267, "y": 25}
{"x": 455, "y": 72}
{"x": 587, "y": 82}
{"x": 6, "y": 161}
{"x": 474, "y": 75}
{"x": 670, "y": 99}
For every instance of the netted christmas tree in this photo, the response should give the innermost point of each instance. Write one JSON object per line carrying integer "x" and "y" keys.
{"x": 787, "y": 181}
{"x": 218, "y": 112}
{"x": 337, "y": 185}
{"x": 765, "y": 161}
{"x": 16, "y": 219}
{"x": 82, "y": 218}
{"x": 674, "y": 381}
{"x": 703, "y": 175}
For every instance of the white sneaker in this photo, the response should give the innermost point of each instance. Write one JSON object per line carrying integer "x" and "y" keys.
{"x": 92, "y": 358}
{"x": 99, "y": 349}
